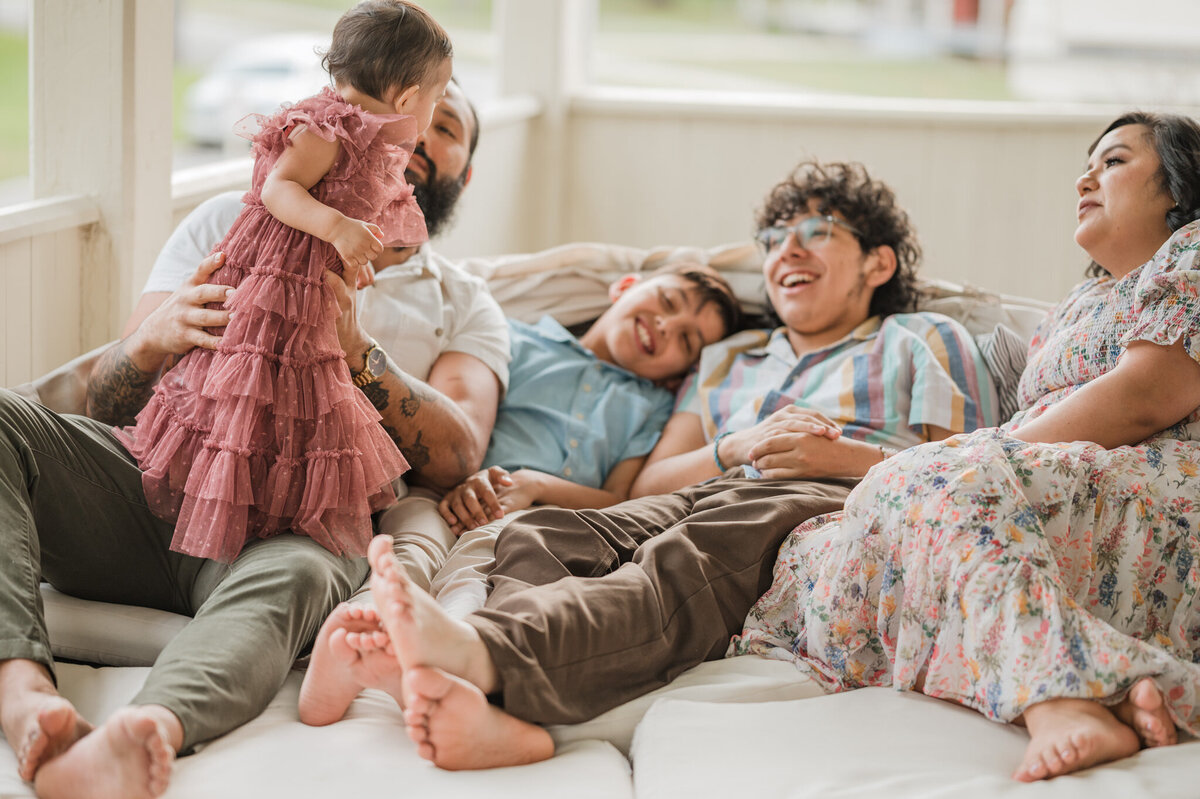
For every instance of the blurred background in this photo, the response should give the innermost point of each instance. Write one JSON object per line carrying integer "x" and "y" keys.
{"x": 234, "y": 57}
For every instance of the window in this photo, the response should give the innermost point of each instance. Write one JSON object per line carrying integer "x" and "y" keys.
{"x": 1039, "y": 50}
{"x": 238, "y": 57}
{"x": 14, "y": 101}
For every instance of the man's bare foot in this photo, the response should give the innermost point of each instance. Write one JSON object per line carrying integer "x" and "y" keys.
{"x": 1067, "y": 735}
{"x": 453, "y": 725}
{"x": 422, "y": 633}
{"x": 127, "y": 757}
{"x": 352, "y": 652}
{"x": 52, "y": 725}
{"x": 1145, "y": 711}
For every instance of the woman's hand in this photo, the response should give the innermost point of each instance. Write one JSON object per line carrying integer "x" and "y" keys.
{"x": 475, "y": 501}
{"x": 356, "y": 241}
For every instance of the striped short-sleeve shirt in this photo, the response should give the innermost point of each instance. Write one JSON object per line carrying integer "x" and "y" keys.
{"x": 883, "y": 383}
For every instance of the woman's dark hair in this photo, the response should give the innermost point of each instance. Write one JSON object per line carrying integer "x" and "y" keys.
{"x": 381, "y": 44}
{"x": 1176, "y": 140}
{"x": 868, "y": 206}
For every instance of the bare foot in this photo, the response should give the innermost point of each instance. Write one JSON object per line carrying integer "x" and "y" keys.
{"x": 1067, "y": 735}
{"x": 127, "y": 757}
{"x": 422, "y": 633}
{"x": 352, "y": 652}
{"x": 52, "y": 726}
{"x": 453, "y": 725}
{"x": 1145, "y": 711}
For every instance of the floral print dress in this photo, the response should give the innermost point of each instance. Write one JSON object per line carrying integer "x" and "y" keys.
{"x": 1003, "y": 573}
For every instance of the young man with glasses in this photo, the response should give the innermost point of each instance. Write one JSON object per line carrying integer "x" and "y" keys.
{"x": 592, "y": 608}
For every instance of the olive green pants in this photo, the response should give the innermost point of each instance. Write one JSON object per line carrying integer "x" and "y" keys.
{"x": 72, "y": 513}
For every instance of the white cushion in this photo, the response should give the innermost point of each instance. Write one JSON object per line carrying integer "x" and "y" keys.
{"x": 104, "y": 633}
{"x": 748, "y": 678}
{"x": 872, "y": 742}
{"x": 367, "y": 754}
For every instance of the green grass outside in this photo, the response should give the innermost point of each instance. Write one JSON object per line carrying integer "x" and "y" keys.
{"x": 14, "y": 105}
{"x": 833, "y": 71}
{"x": 932, "y": 78}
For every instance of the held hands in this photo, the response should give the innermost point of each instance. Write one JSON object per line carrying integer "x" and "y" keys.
{"x": 486, "y": 496}
{"x": 356, "y": 241}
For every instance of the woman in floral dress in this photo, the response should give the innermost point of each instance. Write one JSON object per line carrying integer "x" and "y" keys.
{"x": 1049, "y": 584}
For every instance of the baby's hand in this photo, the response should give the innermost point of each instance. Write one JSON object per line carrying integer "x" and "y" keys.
{"x": 474, "y": 502}
{"x": 356, "y": 241}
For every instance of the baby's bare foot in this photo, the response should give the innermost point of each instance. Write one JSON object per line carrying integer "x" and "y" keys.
{"x": 1145, "y": 711}
{"x": 347, "y": 657}
{"x": 1067, "y": 735}
{"x": 453, "y": 725}
{"x": 421, "y": 632}
{"x": 53, "y": 725}
{"x": 127, "y": 757}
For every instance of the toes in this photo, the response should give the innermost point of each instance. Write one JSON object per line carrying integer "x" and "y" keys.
{"x": 1051, "y": 763}
{"x": 25, "y": 755}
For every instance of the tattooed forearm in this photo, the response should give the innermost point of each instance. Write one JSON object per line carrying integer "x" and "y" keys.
{"x": 412, "y": 410}
{"x": 117, "y": 390}
{"x": 415, "y": 452}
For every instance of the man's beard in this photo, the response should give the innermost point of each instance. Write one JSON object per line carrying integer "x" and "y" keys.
{"x": 437, "y": 197}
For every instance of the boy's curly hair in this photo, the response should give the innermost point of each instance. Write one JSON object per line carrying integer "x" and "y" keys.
{"x": 382, "y": 44}
{"x": 867, "y": 205}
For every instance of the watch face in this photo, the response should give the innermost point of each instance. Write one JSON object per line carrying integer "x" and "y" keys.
{"x": 376, "y": 361}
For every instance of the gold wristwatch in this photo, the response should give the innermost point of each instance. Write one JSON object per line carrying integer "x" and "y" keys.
{"x": 374, "y": 365}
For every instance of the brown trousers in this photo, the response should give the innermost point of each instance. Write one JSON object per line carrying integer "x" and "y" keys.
{"x": 590, "y": 609}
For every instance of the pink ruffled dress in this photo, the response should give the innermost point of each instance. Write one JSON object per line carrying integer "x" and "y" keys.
{"x": 268, "y": 434}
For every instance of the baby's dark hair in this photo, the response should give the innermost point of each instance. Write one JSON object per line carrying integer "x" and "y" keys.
{"x": 710, "y": 287}
{"x": 382, "y": 44}
{"x": 867, "y": 205}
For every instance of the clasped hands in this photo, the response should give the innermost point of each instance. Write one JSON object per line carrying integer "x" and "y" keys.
{"x": 793, "y": 442}
{"x": 488, "y": 495}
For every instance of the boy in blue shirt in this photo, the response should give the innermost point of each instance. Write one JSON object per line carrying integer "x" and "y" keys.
{"x": 582, "y": 414}
{"x": 578, "y": 421}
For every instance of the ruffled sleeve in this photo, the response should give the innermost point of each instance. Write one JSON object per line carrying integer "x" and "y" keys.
{"x": 1166, "y": 301}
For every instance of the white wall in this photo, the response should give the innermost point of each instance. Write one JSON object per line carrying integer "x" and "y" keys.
{"x": 992, "y": 195}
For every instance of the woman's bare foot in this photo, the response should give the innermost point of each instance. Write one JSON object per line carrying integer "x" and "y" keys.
{"x": 453, "y": 725}
{"x": 52, "y": 725}
{"x": 351, "y": 653}
{"x": 422, "y": 633}
{"x": 127, "y": 757}
{"x": 1067, "y": 735}
{"x": 1145, "y": 711}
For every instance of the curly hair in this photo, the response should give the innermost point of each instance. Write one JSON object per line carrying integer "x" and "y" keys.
{"x": 380, "y": 45}
{"x": 869, "y": 206}
{"x": 1176, "y": 140}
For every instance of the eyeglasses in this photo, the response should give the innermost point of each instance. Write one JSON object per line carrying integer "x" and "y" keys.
{"x": 810, "y": 233}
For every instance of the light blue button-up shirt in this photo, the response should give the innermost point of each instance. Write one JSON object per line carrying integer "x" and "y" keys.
{"x": 568, "y": 413}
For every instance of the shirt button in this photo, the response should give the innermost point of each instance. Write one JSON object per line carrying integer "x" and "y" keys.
{"x": 587, "y": 386}
{"x": 579, "y": 416}
{"x": 439, "y": 332}
{"x": 567, "y": 472}
{"x": 573, "y": 443}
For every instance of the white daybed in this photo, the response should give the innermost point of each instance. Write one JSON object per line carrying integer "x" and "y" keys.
{"x": 740, "y": 726}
